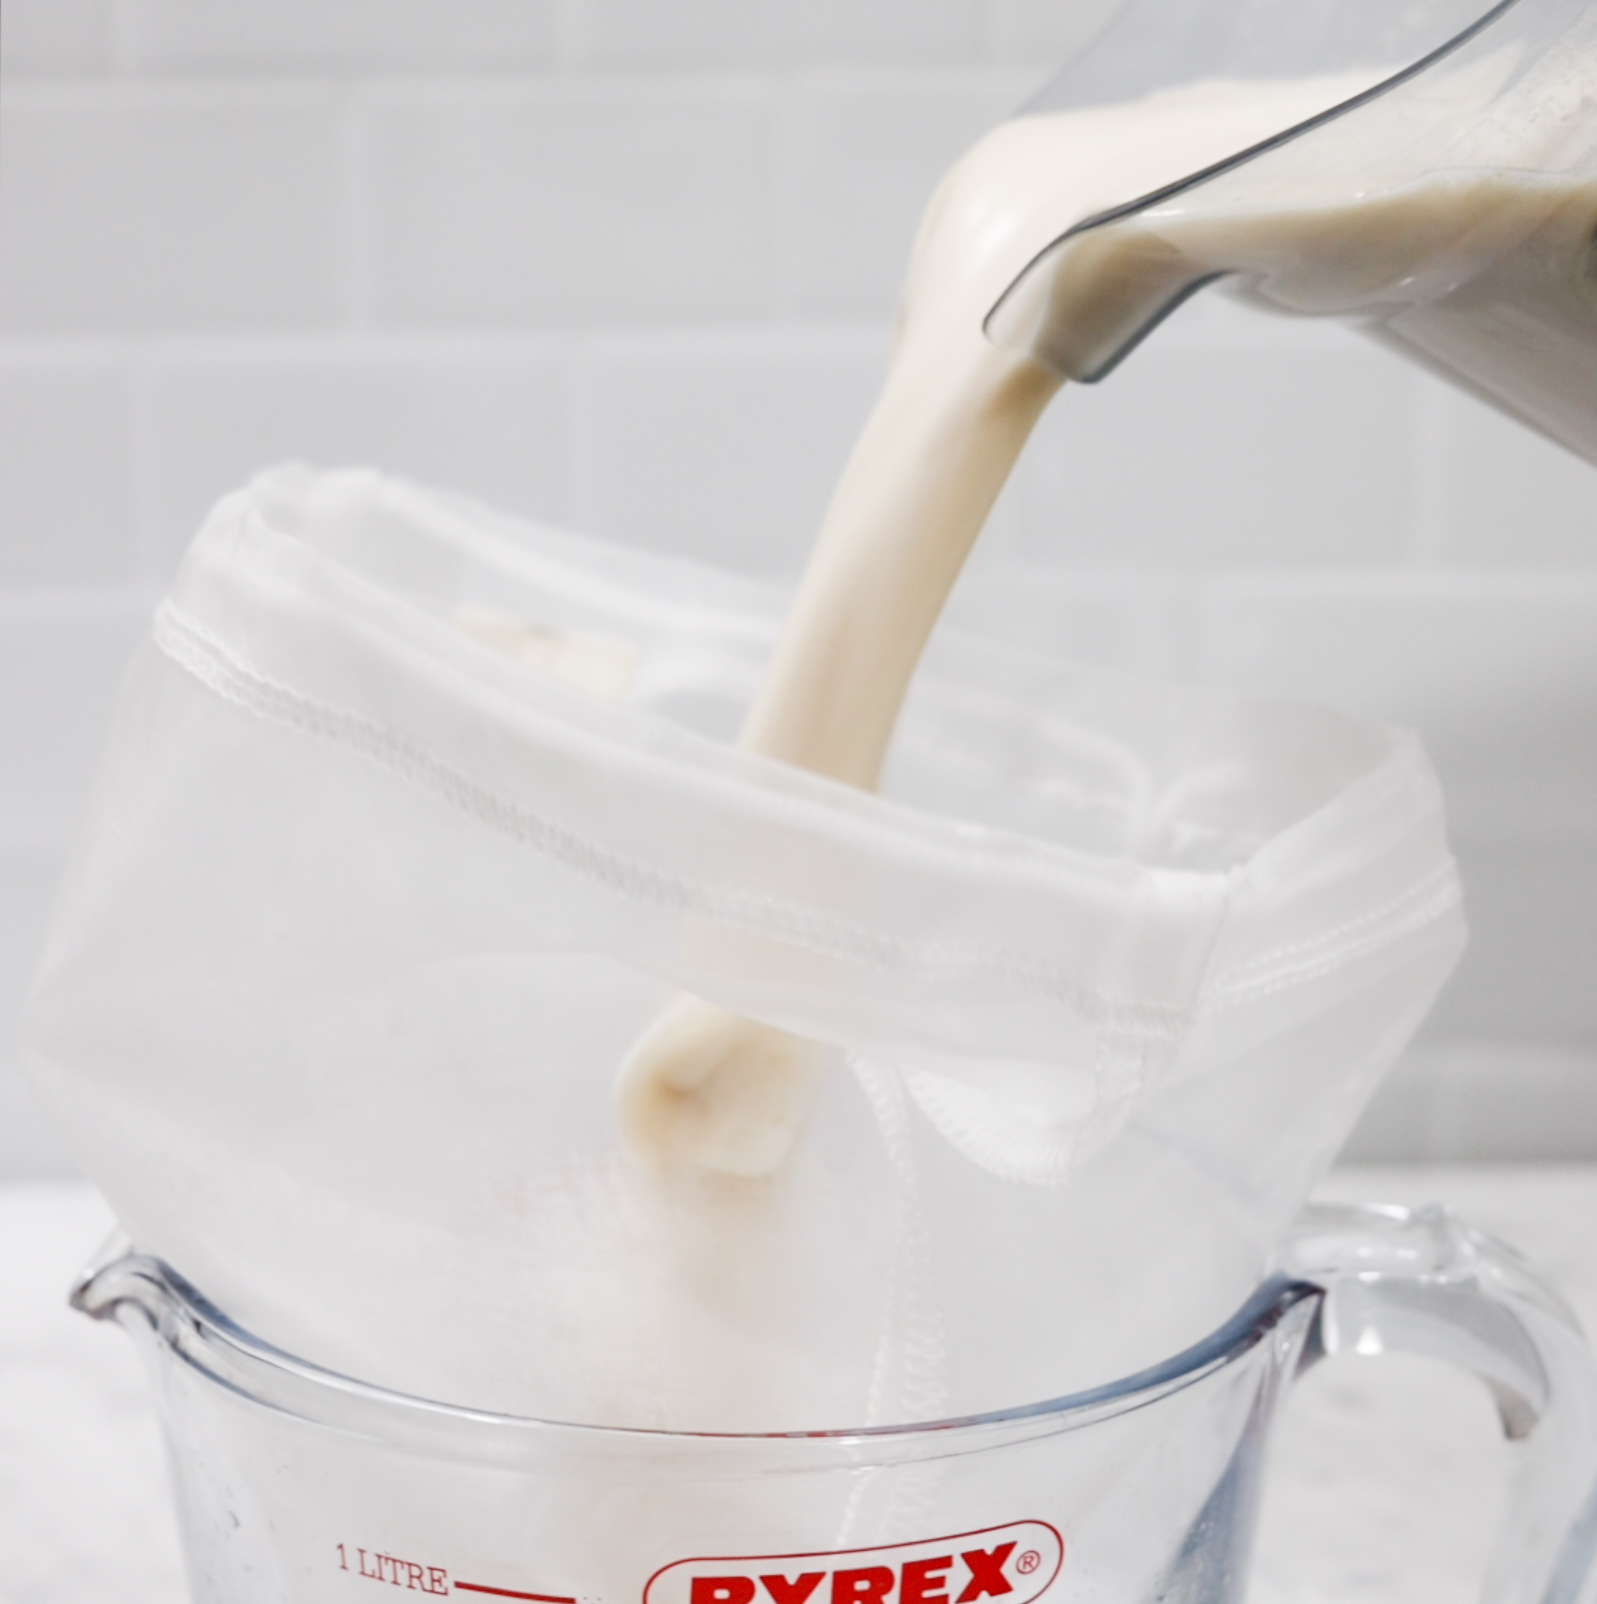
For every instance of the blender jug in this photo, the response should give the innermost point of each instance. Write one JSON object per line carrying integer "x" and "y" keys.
{"x": 1436, "y": 186}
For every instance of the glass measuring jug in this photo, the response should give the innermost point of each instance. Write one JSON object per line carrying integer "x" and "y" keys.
{"x": 1443, "y": 198}
{"x": 297, "y": 1484}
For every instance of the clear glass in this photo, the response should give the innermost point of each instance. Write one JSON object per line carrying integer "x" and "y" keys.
{"x": 297, "y": 1484}
{"x": 1499, "y": 297}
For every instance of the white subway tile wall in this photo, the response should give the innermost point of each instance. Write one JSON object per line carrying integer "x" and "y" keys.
{"x": 1029, "y": 31}
{"x": 691, "y": 441}
{"x": 58, "y": 36}
{"x": 1506, "y": 498}
{"x": 488, "y": 415}
{"x": 1303, "y": 458}
{"x": 143, "y": 209}
{"x": 66, "y": 470}
{"x": 578, "y": 202}
{"x": 631, "y": 264}
{"x": 1497, "y": 670}
{"x": 320, "y": 36}
{"x": 62, "y": 657}
{"x": 29, "y": 1144}
{"x": 775, "y": 33}
{"x": 863, "y": 157}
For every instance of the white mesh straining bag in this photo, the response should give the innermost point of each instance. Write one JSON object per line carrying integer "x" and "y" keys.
{"x": 415, "y": 817}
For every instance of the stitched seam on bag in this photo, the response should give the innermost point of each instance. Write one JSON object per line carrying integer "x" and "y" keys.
{"x": 207, "y": 660}
{"x": 1443, "y": 901}
{"x": 1312, "y": 952}
{"x": 192, "y": 647}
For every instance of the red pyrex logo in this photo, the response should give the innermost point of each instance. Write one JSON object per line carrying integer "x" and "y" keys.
{"x": 1015, "y": 1564}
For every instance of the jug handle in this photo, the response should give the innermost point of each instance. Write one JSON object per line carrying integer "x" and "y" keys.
{"x": 1422, "y": 1281}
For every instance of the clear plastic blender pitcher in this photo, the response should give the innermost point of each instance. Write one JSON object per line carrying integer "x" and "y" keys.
{"x": 297, "y": 1484}
{"x": 1443, "y": 199}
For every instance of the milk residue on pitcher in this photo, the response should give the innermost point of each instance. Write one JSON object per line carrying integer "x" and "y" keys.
{"x": 1453, "y": 220}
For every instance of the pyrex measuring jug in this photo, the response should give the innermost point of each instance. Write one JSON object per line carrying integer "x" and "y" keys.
{"x": 1437, "y": 186}
{"x": 299, "y": 1485}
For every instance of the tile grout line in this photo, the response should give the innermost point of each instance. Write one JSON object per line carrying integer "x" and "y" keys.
{"x": 355, "y": 230}
{"x": 570, "y": 38}
{"x": 577, "y": 422}
{"x": 564, "y": 360}
{"x": 127, "y": 39}
{"x": 1428, "y": 540}
{"x": 784, "y": 226}
{"x": 151, "y": 559}
{"x": 989, "y": 33}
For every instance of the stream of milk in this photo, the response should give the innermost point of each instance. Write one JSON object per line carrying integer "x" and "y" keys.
{"x": 727, "y": 1094}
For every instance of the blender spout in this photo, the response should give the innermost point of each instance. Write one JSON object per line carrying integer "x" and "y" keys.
{"x": 1084, "y": 337}
{"x": 1445, "y": 207}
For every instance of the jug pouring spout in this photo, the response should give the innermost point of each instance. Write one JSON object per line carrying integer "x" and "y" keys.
{"x": 1445, "y": 205}
{"x": 120, "y": 1284}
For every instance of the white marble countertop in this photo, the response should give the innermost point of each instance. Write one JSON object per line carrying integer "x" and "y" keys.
{"x": 1384, "y": 1487}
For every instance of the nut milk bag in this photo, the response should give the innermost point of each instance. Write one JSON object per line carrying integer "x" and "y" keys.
{"x": 414, "y": 817}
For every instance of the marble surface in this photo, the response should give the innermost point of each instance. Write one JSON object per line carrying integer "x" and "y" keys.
{"x": 1386, "y": 1482}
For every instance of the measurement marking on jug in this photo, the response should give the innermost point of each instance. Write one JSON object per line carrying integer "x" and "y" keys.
{"x": 433, "y": 1579}
{"x": 505, "y": 1592}
{"x": 404, "y": 1573}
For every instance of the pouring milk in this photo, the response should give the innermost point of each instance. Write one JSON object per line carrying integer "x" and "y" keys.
{"x": 728, "y": 1094}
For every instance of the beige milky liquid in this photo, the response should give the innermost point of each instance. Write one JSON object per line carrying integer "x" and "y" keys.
{"x": 726, "y": 1094}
